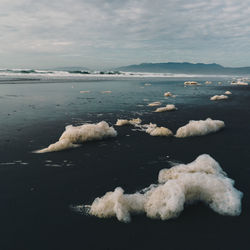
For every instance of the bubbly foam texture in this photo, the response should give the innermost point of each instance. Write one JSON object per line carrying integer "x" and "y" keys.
{"x": 202, "y": 164}
{"x": 239, "y": 83}
{"x": 118, "y": 204}
{"x": 167, "y": 94}
{"x": 122, "y": 122}
{"x": 169, "y": 107}
{"x": 201, "y": 180}
{"x": 153, "y": 104}
{"x": 199, "y": 128}
{"x": 153, "y": 130}
{"x": 228, "y": 93}
{"x": 218, "y": 97}
{"x": 150, "y": 128}
{"x": 73, "y": 136}
{"x": 190, "y": 83}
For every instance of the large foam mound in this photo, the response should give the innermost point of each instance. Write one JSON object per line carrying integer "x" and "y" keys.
{"x": 202, "y": 164}
{"x": 198, "y": 128}
{"x": 218, "y": 97}
{"x": 201, "y": 180}
{"x": 72, "y": 136}
{"x": 169, "y": 107}
{"x": 122, "y": 122}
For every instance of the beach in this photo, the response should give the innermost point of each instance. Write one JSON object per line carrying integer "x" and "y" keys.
{"x": 37, "y": 191}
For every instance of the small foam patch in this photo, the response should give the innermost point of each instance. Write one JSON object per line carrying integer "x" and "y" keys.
{"x": 218, "y": 97}
{"x": 153, "y": 104}
{"x": 122, "y": 122}
{"x": 167, "y": 94}
{"x": 169, "y": 107}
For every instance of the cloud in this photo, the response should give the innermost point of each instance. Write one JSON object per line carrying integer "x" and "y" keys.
{"x": 128, "y": 31}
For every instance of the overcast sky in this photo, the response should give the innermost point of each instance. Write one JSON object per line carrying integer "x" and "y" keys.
{"x": 108, "y": 33}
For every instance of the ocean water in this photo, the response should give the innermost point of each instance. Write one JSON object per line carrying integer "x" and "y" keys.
{"x": 37, "y": 191}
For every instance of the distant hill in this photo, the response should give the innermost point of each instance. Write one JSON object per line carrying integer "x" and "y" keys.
{"x": 185, "y": 68}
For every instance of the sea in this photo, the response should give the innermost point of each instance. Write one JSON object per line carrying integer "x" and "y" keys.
{"x": 38, "y": 191}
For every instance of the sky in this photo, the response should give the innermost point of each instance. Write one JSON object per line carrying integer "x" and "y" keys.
{"x": 102, "y": 34}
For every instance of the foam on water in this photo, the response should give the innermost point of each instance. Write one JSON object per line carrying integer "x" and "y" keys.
{"x": 201, "y": 180}
{"x": 153, "y": 104}
{"x": 73, "y": 136}
{"x": 218, "y": 97}
{"x": 169, "y": 107}
{"x": 153, "y": 130}
{"x": 228, "y": 93}
{"x": 122, "y": 122}
{"x": 239, "y": 83}
{"x": 167, "y": 94}
{"x": 84, "y": 91}
{"x": 199, "y": 128}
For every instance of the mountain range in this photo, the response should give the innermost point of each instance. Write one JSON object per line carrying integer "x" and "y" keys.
{"x": 185, "y": 68}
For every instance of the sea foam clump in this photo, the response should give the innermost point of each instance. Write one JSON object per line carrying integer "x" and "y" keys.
{"x": 169, "y": 107}
{"x": 218, "y": 97}
{"x": 199, "y": 128}
{"x": 122, "y": 122}
{"x": 167, "y": 94}
{"x": 150, "y": 128}
{"x": 73, "y": 136}
{"x": 153, "y": 104}
{"x": 153, "y": 130}
{"x": 239, "y": 82}
{"x": 201, "y": 180}
{"x": 191, "y": 83}
{"x": 228, "y": 93}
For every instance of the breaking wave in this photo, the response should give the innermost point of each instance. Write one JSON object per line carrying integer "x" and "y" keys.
{"x": 201, "y": 180}
{"x": 87, "y": 73}
{"x": 73, "y": 136}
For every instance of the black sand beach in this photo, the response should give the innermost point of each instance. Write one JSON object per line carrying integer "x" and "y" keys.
{"x": 36, "y": 197}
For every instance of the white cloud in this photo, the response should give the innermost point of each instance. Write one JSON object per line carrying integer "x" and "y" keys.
{"x": 129, "y": 31}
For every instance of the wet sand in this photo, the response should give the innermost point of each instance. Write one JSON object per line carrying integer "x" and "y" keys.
{"x": 36, "y": 198}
